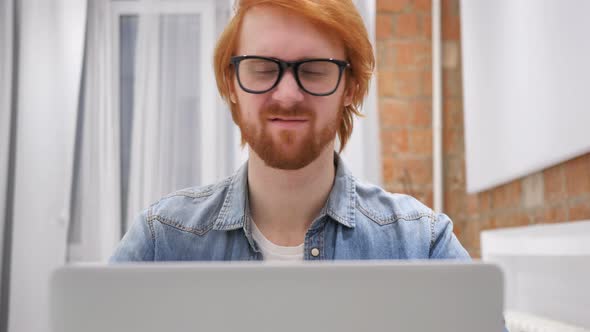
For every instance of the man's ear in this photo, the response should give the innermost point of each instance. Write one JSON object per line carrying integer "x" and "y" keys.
{"x": 228, "y": 80}
{"x": 232, "y": 92}
{"x": 349, "y": 93}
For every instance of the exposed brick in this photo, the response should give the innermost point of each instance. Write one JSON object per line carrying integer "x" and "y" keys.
{"x": 472, "y": 235}
{"x": 406, "y": 84}
{"x": 398, "y": 175}
{"x": 453, "y": 113}
{"x": 450, "y": 54}
{"x": 419, "y": 170}
{"x": 391, "y": 5}
{"x": 387, "y": 169}
{"x": 459, "y": 230}
{"x": 421, "y": 111}
{"x": 426, "y": 25}
{"x": 385, "y": 83}
{"x": 384, "y": 26}
{"x": 532, "y": 191}
{"x": 450, "y": 8}
{"x": 555, "y": 214}
{"x": 395, "y": 141}
{"x": 451, "y": 28}
{"x": 485, "y": 201}
{"x": 395, "y": 113}
{"x": 512, "y": 219}
{"x": 452, "y": 141}
{"x": 535, "y": 215}
{"x": 385, "y": 55}
{"x": 405, "y": 90}
{"x": 507, "y": 195}
{"x": 577, "y": 175}
{"x": 452, "y": 86}
{"x": 399, "y": 141}
{"x": 424, "y": 196}
{"x": 454, "y": 172}
{"x": 580, "y": 210}
{"x": 423, "y": 5}
{"x": 426, "y": 90}
{"x": 473, "y": 205}
{"x": 554, "y": 182}
{"x": 395, "y": 187}
{"x": 454, "y": 201}
{"x": 406, "y": 25}
{"x": 389, "y": 187}
{"x": 491, "y": 223}
{"x": 386, "y": 143}
{"x": 413, "y": 54}
{"x": 428, "y": 199}
{"x": 421, "y": 141}
{"x": 465, "y": 234}
{"x": 488, "y": 223}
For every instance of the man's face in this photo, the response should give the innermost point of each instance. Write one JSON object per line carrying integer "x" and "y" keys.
{"x": 287, "y": 127}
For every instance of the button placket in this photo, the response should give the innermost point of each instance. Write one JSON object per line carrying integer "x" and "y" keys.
{"x": 314, "y": 246}
{"x": 315, "y": 252}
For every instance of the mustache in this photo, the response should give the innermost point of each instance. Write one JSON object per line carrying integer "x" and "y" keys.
{"x": 277, "y": 110}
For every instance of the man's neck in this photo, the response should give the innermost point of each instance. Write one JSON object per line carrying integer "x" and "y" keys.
{"x": 284, "y": 203}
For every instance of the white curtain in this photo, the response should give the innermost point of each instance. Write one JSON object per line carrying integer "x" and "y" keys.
{"x": 51, "y": 44}
{"x": 6, "y": 32}
{"x": 165, "y": 146}
{"x": 96, "y": 211}
{"x": 150, "y": 122}
{"x": 362, "y": 153}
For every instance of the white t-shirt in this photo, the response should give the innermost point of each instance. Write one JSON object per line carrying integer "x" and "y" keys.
{"x": 273, "y": 252}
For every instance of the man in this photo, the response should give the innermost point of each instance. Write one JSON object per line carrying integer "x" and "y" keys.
{"x": 294, "y": 73}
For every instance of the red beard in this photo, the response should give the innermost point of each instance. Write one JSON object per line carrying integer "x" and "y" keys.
{"x": 292, "y": 149}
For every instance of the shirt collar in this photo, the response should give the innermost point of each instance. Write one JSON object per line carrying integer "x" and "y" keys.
{"x": 340, "y": 205}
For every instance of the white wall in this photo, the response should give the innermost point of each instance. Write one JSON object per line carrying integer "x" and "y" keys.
{"x": 526, "y": 72}
{"x": 49, "y": 76}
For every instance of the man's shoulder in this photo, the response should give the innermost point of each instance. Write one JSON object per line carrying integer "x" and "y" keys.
{"x": 193, "y": 209}
{"x": 384, "y": 207}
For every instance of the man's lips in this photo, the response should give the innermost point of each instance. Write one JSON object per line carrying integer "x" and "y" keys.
{"x": 288, "y": 122}
{"x": 287, "y": 119}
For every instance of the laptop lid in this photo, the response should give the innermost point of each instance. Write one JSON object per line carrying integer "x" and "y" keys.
{"x": 330, "y": 296}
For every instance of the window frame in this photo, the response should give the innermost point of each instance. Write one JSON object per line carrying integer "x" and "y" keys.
{"x": 208, "y": 103}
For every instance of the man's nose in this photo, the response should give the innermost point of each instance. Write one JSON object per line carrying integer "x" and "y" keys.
{"x": 287, "y": 92}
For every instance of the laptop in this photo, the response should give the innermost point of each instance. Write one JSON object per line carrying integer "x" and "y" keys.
{"x": 349, "y": 296}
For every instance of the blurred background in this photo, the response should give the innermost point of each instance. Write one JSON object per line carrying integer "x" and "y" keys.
{"x": 478, "y": 108}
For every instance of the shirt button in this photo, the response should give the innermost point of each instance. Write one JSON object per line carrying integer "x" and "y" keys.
{"x": 315, "y": 252}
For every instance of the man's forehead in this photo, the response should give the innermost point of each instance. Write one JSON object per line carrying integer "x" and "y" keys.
{"x": 275, "y": 32}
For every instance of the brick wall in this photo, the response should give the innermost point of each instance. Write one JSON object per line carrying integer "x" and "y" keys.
{"x": 560, "y": 193}
{"x": 405, "y": 95}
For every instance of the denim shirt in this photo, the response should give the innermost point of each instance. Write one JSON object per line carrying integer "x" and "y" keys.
{"x": 358, "y": 221}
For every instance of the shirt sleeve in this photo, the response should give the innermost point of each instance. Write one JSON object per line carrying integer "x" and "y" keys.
{"x": 138, "y": 242}
{"x": 444, "y": 243}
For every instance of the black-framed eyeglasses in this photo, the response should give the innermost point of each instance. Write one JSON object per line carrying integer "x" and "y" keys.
{"x": 318, "y": 77}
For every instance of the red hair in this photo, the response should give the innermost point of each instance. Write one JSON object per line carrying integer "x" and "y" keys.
{"x": 337, "y": 16}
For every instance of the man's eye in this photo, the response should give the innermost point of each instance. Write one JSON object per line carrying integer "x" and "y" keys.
{"x": 265, "y": 71}
{"x": 307, "y": 74}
